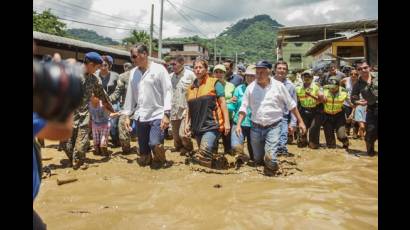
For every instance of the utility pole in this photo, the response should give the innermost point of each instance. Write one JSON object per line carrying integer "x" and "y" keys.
{"x": 160, "y": 31}
{"x": 236, "y": 61}
{"x": 151, "y": 32}
{"x": 215, "y": 50}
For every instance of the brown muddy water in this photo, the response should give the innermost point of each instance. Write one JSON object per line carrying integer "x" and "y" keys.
{"x": 331, "y": 190}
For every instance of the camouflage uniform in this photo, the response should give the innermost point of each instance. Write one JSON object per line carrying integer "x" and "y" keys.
{"x": 119, "y": 94}
{"x": 77, "y": 145}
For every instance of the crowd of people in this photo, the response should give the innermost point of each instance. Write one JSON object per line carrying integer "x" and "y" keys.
{"x": 262, "y": 104}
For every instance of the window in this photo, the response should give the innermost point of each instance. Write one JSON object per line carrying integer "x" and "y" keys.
{"x": 295, "y": 57}
{"x": 298, "y": 44}
{"x": 350, "y": 51}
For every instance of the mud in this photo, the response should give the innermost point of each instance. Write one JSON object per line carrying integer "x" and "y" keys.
{"x": 314, "y": 189}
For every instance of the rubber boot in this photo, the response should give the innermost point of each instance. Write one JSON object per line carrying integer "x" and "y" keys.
{"x": 144, "y": 159}
{"x": 159, "y": 154}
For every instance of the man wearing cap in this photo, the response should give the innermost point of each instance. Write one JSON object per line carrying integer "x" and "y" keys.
{"x": 181, "y": 79}
{"x": 288, "y": 125}
{"x": 333, "y": 71}
{"x": 148, "y": 101}
{"x": 268, "y": 99}
{"x": 308, "y": 101}
{"x": 333, "y": 114}
{"x": 368, "y": 87}
{"x": 109, "y": 81}
{"x": 237, "y": 141}
{"x": 230, "y": 76}
{"x": 119, "y": 95}
{"x": 241, "y": 70}
{"x": 78, "y": 144}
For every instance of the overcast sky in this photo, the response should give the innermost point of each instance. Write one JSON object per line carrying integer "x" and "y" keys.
{"x": 203, "y": 18}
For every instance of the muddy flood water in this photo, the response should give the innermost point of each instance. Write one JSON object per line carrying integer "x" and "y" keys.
{"x": 331, "y": 189}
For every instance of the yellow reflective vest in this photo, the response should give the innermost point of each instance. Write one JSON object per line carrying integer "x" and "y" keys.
{"x": 334, "y": 103}
{"x": 305, "y": 100}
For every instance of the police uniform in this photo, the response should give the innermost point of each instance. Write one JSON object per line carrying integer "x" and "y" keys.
{"x": 78, "y": 144}
{"x": 308, "y": 107}
{"x": 333, "y": 115}
{"x": 369, "y": 93}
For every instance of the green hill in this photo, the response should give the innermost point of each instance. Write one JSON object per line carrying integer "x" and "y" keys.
{"x": 90, "y": 36}
{"x": 252, "y": 38}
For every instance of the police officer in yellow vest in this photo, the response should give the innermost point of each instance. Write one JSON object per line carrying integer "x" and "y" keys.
{"x": 333, "y": 116}
{"x": 308, "y": 106}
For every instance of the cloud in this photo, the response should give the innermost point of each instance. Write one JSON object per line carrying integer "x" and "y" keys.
{"x": 210, "y": 17}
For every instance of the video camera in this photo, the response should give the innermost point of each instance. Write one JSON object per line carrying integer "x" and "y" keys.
{"x": 57, "y": 89}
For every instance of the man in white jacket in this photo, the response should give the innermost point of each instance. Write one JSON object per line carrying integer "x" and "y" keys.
{"x": 148, "y": 102}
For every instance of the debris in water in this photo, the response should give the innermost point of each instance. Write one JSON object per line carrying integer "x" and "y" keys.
{"x": 217, "y": 186}
{"x": 66, "y": 181}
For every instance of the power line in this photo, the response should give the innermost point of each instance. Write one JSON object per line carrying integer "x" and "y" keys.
{"x": 86, "y": 23}
{"x": 203, "y": 12}
{"x": 182, "y": 15}
{"x": 94, "y": 11}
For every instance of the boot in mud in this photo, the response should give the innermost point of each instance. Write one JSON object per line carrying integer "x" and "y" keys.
{"x": 220, "y": 162}
{"x": 240, "y": 156}
{"x": 104, "y": 151}
{"x": 270, "y": 168}
{"x": 144, "y": 159}
{"x": 159, "y": 154}
{"x": 202, "y": 159}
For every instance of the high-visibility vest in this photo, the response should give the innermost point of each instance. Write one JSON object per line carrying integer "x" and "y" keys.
{"x": 334, "y": 103}
{"x": 305, "y": 100}
{"x": 204, "y": 108}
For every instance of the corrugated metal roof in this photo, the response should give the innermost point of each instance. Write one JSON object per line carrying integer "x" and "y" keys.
{"x": 87, "y": 45}
{"x": 319, "y": 45}
{"x": 315, "y": 32}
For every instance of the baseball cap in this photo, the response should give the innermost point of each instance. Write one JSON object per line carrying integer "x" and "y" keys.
{"x": 94, "y": 57}
{"x": 263, "y": 64}
{"x": 251, "y": 70}
{"x": 220, "y": 67}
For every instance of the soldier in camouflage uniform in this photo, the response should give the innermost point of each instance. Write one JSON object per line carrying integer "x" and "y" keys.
{"x": 119, "y": 94}
{"x": 78, "y": 144}
{"x": 368, "y": 87}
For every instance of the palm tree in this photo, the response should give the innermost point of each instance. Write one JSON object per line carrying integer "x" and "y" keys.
{"x": 136, "y": 37}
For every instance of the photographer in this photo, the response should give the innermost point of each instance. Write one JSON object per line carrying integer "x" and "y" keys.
{"x": 56, "y": 93}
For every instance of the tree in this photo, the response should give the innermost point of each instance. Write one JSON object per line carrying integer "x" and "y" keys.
{"x": 136, "y": 37}
{"x": 48, "y": 23}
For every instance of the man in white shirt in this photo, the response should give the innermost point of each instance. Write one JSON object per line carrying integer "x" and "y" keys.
{"x": 148, "y": 101}
{"x": 267, "y": 99}
{"x": 181, "y": 79}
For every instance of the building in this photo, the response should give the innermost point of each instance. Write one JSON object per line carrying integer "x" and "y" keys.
{"x": 71, "y": 48}
{"x": 189, "y": 50}
{"x": 302, "y": 46}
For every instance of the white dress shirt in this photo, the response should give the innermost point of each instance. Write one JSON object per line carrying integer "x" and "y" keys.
{"x": 148, "y": 95}
{"x": 267, "y": 104}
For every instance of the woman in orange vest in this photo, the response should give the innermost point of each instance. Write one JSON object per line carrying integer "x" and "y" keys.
{"x": 207, "y": 115}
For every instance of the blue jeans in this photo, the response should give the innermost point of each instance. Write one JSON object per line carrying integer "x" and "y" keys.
{"x": 283, "y": 138}
{"x": 239, "y": 140}
{"x": 114, "y": 125}
{"x": 149, "y": 135}
{"x": 208, "y": 142}
{"x": 265, "y": 141}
